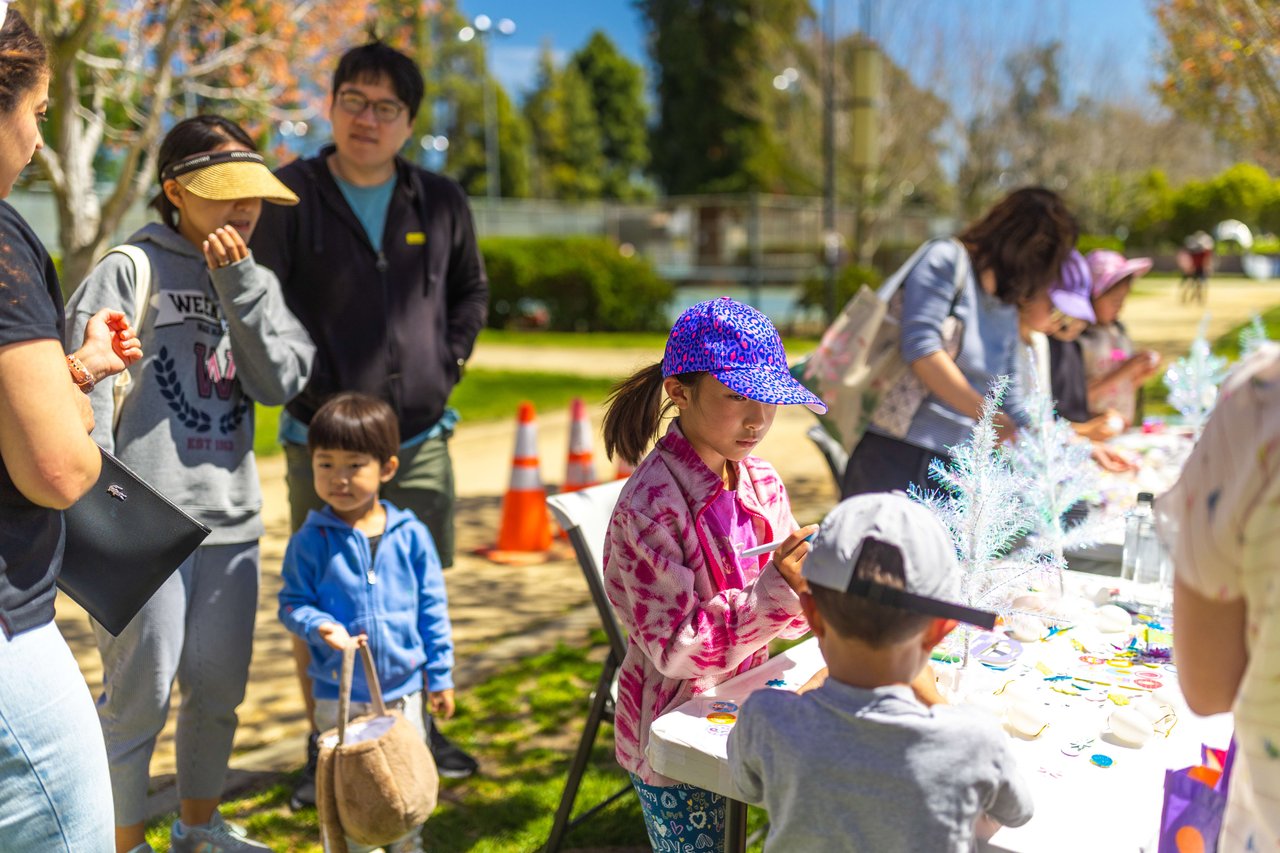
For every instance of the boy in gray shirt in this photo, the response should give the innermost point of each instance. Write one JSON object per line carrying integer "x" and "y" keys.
{"x": 862, "y": 763}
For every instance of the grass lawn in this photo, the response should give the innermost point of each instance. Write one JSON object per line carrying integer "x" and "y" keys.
{"x": 485, "y": 395}
{"x": 523, "y": 725}
{"x": 653, "y": 341}
{"x": 1155, "y": 394}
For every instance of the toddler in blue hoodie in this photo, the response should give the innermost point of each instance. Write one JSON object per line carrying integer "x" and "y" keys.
{"x": 363, "y": 571}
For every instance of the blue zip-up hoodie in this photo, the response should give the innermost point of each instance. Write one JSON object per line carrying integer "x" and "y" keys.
{"x": 398, "y": 600}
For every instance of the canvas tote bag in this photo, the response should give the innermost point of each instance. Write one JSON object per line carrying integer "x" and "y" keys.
{"x": 857, "y": 368}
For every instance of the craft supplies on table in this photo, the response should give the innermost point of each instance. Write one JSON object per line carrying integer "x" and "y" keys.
{"x": 1159, "y": 457}
{"x": 1094, "y": 717}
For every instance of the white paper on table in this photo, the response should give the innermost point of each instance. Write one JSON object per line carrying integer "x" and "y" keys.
{"x": 689, "y": 743}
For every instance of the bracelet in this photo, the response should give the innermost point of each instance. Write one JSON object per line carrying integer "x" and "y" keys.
{"x": 79, "y": 374}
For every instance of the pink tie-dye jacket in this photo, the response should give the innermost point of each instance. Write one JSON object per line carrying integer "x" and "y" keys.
{"x": 687, "y": 632}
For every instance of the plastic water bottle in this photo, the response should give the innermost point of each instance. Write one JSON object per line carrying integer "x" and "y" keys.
{"x": 1139, "y": 525}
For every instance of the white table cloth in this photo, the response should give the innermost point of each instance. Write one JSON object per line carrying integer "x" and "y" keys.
{"x": 1079, "y": 804}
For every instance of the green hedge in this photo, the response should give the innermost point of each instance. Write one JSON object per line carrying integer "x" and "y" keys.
{"x": 848, "y": 280}
{"x": 584, "y": 283}
{"x": 1088, "y": 242}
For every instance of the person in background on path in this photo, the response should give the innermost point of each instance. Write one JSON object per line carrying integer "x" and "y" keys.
{"x": 1219, "y": 523}
{"x": 1114, "y": 368}
{"x": 56, "y": 788}
{"x": 380, "y": 263}
{"x": 865, "y": 761}
{"x": 1013, "y": 256}
{"x": 362, "y": 570}
{"x": 1072, "y": 314}
{"x": 1196, "y": 261}
{"x": 218, "y": 338}
{"x": 696, "y": 612}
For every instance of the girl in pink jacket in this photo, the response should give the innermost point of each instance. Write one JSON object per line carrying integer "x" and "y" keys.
{"x": 697, "y": 612}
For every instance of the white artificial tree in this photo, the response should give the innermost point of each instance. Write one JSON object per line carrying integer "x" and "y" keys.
{"x": 1193, "y": 380}
{"x": 1253, "y": 336}
{"x": 983, "y": 505}
{"x": 1059, "y": 473}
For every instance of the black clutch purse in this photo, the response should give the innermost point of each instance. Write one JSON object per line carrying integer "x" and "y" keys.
{"x": 123, "y": 541}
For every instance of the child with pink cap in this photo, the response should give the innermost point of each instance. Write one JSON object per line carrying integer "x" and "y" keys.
{"x": 1114, "y": 369}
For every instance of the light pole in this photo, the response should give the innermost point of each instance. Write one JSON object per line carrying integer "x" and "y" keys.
{"x": 482, "y": 26}
{"x": 830, "y": 237}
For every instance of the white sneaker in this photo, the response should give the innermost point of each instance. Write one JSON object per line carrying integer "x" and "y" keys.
{"x": 216, "y": 836}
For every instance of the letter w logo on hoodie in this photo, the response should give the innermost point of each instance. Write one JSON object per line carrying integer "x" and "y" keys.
{"x": 211, "y": 376}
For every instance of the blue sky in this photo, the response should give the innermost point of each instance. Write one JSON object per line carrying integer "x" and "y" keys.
{"x": 1108, "y": 45}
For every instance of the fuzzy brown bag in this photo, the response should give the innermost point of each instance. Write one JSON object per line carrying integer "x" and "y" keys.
{"x": 375, "y": 779}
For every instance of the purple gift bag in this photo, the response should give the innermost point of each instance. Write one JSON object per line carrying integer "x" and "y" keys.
{"x": 1195, "y": 799}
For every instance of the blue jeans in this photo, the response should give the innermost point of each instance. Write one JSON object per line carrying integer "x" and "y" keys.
{"x": 53, "y": 766}
{"x": 682, "y": 818}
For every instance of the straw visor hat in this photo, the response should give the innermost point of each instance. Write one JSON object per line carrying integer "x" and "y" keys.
{"x": 227, "y": 175}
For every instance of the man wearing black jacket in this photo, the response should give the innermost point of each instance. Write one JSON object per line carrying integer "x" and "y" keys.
{"x": 379, "y": 261}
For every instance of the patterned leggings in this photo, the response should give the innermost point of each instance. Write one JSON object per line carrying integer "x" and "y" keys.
{"x": 682, "y": 818}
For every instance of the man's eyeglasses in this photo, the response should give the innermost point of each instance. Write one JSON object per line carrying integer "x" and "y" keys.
{"x": 353, "y": 103}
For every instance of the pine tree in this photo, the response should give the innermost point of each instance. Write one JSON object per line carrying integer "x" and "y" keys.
{"x": 616, "y": 87}
{"x": 566, "y": 134}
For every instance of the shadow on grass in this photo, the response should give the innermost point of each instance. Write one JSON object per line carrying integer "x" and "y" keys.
{"x": 523, "y": 725}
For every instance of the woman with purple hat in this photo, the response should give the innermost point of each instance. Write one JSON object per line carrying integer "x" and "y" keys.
{"x": 698, "y": 603}
{"x": 1114, "y": 370}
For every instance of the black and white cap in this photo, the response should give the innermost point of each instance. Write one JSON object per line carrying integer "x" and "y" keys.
{"x": 928, "y": 556}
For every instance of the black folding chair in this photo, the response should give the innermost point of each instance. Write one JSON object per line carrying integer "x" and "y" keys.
{"x": 837, "y": 457}
{"x": 585, "y": 515}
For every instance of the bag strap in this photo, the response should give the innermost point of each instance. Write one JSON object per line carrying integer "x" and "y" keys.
{"x": 141, "y": 300}
{"x": 1224, "y": 781}
{"x": 344, "y": 687}
{"x": 961, "y": 275}
{"x": 890, "y": 287}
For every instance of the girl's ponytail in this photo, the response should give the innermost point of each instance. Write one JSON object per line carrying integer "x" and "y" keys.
{"x": 635, "y": 412}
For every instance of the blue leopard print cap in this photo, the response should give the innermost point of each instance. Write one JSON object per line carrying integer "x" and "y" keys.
{"x": 738, "y": 345}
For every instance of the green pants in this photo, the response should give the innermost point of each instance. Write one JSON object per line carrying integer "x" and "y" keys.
{"x": 424, "y": 484}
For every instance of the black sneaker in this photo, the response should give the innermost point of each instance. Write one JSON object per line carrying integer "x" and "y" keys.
{"x": 304, "y": 793}
{"x": 451, "y": 761}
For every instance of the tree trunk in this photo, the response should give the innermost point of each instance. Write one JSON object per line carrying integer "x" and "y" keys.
{"x": 80, "y": 231}
{"x": 77, "y": 263}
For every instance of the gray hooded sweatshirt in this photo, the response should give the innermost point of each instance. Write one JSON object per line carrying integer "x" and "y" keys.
{"x": 214, "y": 341}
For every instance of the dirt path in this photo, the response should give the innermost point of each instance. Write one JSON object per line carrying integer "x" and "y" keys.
{"x": 491, "y": 603}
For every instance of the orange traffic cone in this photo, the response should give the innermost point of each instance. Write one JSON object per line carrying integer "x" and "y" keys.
{"x": 526, "y": 525}
{"x": 580, "y": 472}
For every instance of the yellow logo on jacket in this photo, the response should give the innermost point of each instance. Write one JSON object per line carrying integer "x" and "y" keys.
{"x": 415, "y": 238}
